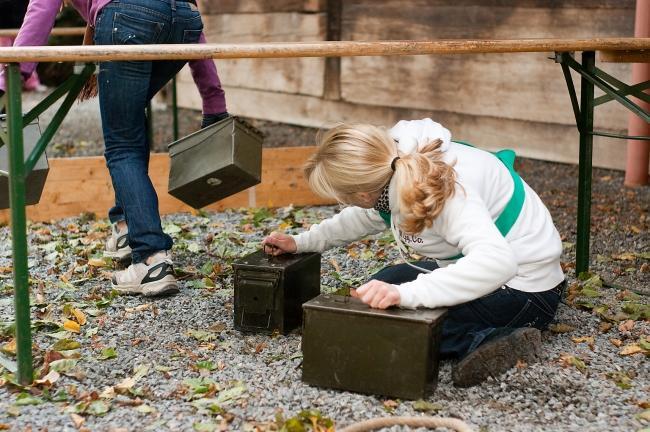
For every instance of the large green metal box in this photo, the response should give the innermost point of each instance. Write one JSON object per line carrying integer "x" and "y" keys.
{"x": 270, "y": 291}
{"x": 215, "y": 162}
{"x": 35, "y": 180}
{"x": 349, "y": 346}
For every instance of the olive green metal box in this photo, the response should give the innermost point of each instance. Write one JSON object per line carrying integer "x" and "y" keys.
{"x": 215, "y": 162}
{"x": 35, "y": 180}
{"x": 349, "y": 346}
{"x": 270, "y": 291}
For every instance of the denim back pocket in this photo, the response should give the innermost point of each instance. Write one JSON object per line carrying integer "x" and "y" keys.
{"x": 191, "y": 36}
{"x": 132, "y": 30}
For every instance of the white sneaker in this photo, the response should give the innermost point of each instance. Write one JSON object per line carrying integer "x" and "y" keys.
{"x": 117, "y": 245}
{"x": 152, "y": 279}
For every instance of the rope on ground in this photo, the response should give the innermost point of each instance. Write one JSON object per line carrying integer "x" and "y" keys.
{"x": 414, "y": 422}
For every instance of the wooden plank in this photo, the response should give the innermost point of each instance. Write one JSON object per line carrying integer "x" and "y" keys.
{"x": 546, "y": 141}
{"x": 332, "y": 84}
{"x": 282, "y": 184}
{"x": 519, "y": 86}
{"x": 300, "y": 75}
{"x": 94, "y": 53}
{"x": 642, "y": 56}
{"x": 209, "y": 7}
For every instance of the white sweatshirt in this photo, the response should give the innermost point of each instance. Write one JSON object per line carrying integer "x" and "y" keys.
{"x": 527, "y": 259}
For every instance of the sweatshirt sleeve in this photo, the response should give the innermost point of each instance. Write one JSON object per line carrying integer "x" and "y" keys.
{"x": 487, "y": 264}
{"x": 351, "y": 224}
{"x": 37, "y": 26}
{"x": 206, "y": 78}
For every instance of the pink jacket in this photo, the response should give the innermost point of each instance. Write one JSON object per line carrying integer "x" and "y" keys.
{"x": 38, "y": 25}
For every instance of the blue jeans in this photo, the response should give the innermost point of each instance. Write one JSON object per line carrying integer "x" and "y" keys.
{"x": 125, "y": 89}
{"x": 469, "y": 324}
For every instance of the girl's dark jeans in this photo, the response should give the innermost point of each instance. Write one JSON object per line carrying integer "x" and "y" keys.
{"x": 125, "y": 88}
{"x": 469, "y": 324}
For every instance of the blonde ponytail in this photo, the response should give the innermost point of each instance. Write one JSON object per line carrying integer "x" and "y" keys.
{"x": 423, "y": 184}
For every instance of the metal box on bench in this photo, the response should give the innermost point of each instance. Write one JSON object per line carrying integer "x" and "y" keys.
{"x": 35, "y": 180}
{"x": 270, "y": 291}
{"x": 349, "y": 346}
{"x": 215, "y": 162}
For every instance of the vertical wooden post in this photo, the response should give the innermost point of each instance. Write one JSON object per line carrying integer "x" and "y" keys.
{"x": 332, "y": 82}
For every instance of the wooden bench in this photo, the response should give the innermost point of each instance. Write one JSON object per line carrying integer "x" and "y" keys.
{"x": 613, "y": 49}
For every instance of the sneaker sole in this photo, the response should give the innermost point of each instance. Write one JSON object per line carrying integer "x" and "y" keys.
{"x": 497, "y": 357}
{"x": 152, "y": 289}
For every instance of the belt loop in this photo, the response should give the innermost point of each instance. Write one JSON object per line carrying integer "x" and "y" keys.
{"x": 173, "y": 5}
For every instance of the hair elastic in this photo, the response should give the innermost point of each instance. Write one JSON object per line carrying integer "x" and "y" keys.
{"x": 392, "y": 164}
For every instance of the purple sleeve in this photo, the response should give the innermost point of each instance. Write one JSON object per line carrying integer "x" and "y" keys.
{"x": 35, "y": 30}
{"x": 204, "y": 73}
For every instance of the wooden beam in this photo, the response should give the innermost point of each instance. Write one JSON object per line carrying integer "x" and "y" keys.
{"x": 282, "y": 184}
{"x": 92, "y": 53}
{"x": 642, "y": 56}
{"x": 56, "y": 31}
{"x": 259, "y": 6}
{"x": 332, "y": 79}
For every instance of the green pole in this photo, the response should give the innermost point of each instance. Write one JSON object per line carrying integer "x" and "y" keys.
{"x": 586, "y": 128}
{"x": 18, "y": 224}
{"x": 175, "y": 108}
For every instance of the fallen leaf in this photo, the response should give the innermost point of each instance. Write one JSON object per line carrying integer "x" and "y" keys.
{"x": 571, "y": 360}
{"x": 625, "y": 256}
{"x": 604, "y": 327}
{"x": 77, "y": 420}
{"x": 589, "y": 340}
{"x": 561, "y": 328}
{"x": 49, "y": 379}
{"x": 626, "y": 326}
{"x": 424, "y": 406}
{"x": 616, "y": 342}
{"x": 72, "y": 326}
{"x": 80, "y": 316}
{"x": 98, "y": 262}
{"x": 125, "y": 385}
{"x": 645, "y": 415}
{"x": 65, "y": 345}
{"x": 107, "y": 353}
{"x": 390, "y": 404}
{"x": 631, "y": 349}
{"x": 9, "y": 347}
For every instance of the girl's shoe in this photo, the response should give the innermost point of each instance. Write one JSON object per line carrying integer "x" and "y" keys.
{"x": 117, "y": 245}
{"x": 496, "y": 356}
{"x": 154, "y": 279}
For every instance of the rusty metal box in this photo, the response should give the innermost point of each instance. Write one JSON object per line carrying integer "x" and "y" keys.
{"x": 349, "y": 346}
{"x": 35, "y": 180}
{"x": 215, "y": 162}
{"x": 270, "y": 291}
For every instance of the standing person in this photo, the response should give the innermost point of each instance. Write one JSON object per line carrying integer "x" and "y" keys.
{"x": 496, "y": 249}
{"x": 125, "y": 88}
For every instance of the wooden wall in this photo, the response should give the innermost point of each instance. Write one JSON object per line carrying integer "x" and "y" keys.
{"x": 495, "y": 101}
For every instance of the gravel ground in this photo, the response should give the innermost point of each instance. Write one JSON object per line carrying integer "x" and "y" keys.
{"x": 177, "y": 364}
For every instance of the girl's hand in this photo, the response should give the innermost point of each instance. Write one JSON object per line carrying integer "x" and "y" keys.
{"x": 377, "y": 294}
{"x": 277, "y": 244}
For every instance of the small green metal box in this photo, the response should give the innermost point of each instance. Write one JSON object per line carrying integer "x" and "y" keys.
{"x": 215, "y": 162}
{"x": 35, "y": 180}
{"x": 349, "y": 346}
{"x": 270, "y": 291}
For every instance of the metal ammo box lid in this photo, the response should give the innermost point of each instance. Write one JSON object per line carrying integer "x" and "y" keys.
{"x": 215, "y": 162}
{"x": 348, "y": 345}
{"x": 35, "y": 180}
